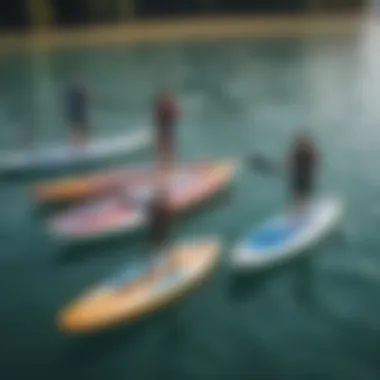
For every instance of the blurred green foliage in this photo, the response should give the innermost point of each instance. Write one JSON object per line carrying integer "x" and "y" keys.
{"x": 101, "y": 10}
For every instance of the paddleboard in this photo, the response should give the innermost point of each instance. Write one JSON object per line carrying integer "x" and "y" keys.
{"x": 50, "y": 158}
{"x": 287, "y": 235}
{"x": 72, "y": 189}
{"x": 107, "y": 217}
{"x": 133, "y": 293}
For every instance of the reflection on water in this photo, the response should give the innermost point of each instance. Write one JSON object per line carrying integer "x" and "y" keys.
{"x": 244, "y": 285}
{"x": 303, "y": 281}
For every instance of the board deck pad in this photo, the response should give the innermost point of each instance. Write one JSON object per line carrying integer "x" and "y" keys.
{"x": 273, "y": 235}
{"x": 280, "y": 231}
{"x": 173, "y": 279}
{"x": 134, "y": 271}
{"x": 129, "y": 274}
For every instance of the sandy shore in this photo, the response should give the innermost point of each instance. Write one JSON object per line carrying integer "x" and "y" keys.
{"x": 185, "y": 29}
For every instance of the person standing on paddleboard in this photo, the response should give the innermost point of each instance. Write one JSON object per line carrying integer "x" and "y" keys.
{"x": 77, "y": 113}
{"x": 303, "y": 162}
{"x": 165, "y": 117}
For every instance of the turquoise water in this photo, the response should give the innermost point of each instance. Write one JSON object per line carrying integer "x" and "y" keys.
{"x": 312, "y": 319}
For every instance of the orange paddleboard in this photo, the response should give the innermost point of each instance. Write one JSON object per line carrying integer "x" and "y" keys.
{"x": 127, "y": 297}
{"x": 72, "y": 189}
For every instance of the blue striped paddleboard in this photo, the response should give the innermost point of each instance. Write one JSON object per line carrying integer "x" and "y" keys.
{"x": 287, "y": 235}
{"x": 68, "y": 156}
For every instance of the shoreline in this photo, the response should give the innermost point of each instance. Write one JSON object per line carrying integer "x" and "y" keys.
{"x": 199, "y": 28}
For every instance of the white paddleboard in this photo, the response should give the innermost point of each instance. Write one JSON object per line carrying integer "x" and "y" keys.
{"x": 49, "y": 158}
{"x": 287, "y": 235}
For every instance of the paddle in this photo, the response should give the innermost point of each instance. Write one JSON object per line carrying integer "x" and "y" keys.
{"x": 263, "y": 165}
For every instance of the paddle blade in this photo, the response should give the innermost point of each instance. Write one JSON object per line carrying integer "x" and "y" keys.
{"x": 262, "y": 165}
